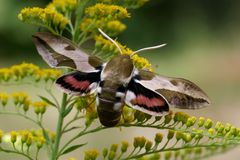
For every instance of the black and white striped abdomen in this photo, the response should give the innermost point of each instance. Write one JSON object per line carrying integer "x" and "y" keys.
{"x": 110, "y": 103}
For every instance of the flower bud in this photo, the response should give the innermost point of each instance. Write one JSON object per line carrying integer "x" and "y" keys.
{"x": 201, "y": 121}
{"x": 170, "y": 134}
{"x": 26, "y": 105}
{"x": 168, "y": 118}
{"x": 142, "y": 141}
{"x": 227, "y": 127}
{"x": 158, "y": 138}
{"x": 179, "y": 135}
{"x": 124, "y": 146}
{"x": 211, "y": 131}
{"x": 111, "y": 155}
{"x": 158, "y": 118}
{"x": 191, "y": 121}
{"x": 199, "y": 134}
{"x": 105, "y": 152}
{"x": 208, "y": 124}
{"x": 24, "y": 136}
{"x": 114, "y": 147}
{"x": 40, "y": 142}
{"x": 136, "y": 142}
{"x": 140, "y": 116}
{"x": 168, "y": 155}
{"x": 187, "y": 137}
{"x": 148, "y": 146}
{"x": 29, "y": 140}
{"x": 13, "y": 135}
{"x": 4, "y": 98}
{"x": 91, "y": 155}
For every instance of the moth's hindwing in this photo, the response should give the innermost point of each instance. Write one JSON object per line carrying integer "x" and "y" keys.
{"x": 178, "y": 92}
{"x": 79, "y": 83}
{"x": 58, "y": 51}
{"x": 145, "y": 100}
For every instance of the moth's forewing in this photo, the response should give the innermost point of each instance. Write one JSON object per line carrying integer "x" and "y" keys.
{"x": 179, "y": 92}
{"x": 58, "y": 51}
{"x": 79, "y": 83}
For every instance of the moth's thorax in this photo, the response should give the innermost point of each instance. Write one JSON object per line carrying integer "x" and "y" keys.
{"x": 119, "y": 69}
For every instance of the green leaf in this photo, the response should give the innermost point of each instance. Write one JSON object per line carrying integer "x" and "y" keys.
{"x": 68, "y": 110}
{"x": 47, "y": 100}
{"x": 72, "y": 148}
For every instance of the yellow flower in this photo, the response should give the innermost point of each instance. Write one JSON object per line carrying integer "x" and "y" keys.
{"x": 40, "y": 107}
{"x": 24, "y": 135}
{"x": 26, "y": 105}
{"x": 91, "y": 155}
{"x": 1, "y": 135}
{"x": 126, "y": 3}
{"x": 63, "y": 5}
{"x": 50, "y": 74}
{"x": 110, "y": 27}
{"x": 44, "y": 17}
{"x": 13, "y": 135}
{"x": 4, "y": 98}
{"x": 5, "y": 74}
{"x": 40, "y": 141}
{"x": 29, "y": 140}
{"x": 19, "y": 97}
{"x": 100, "y": 10}
{"x": 114, "y": 27}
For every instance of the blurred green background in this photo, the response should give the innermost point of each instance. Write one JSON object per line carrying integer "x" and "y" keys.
{"x": 203, "y": 40}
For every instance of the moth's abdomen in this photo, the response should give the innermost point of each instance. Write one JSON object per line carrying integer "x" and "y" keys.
{"x": 110, "y": 103}
{"x": 108, "y": 114}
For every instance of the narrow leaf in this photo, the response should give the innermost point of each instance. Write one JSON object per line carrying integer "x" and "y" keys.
{"x": 48, "y": 101}
{"x": 68, "y": 110}
{"x": 72, "y": 148}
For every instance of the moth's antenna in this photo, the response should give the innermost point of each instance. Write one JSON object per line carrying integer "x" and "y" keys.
{"x": 149, "y": 48}
{"x": 106, "y": 36}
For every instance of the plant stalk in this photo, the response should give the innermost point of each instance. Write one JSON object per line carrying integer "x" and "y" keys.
{"x": 59, "y": 128}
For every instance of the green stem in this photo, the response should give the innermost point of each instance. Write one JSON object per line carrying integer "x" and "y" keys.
{"x": 79, "y": 13}
{"x": 16, "y": 152}
{"x": 59, "y": 128}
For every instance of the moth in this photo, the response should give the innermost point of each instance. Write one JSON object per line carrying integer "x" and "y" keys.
{"x": 116, "y": 82}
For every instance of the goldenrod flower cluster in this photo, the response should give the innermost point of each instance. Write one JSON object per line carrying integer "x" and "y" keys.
{"x": 46, "y": 17}
{"x": 91, "y": 155}
{"x": 63, "y": 6}
{"x": 4, "y": 98}
{"x": 25, "y": 70}
{"x": 100, "y": 11}
{"x": 40, "y": 107}
{"x": 107, "y": 46}
{"x": 133, "y": 4}
{"x": 104, "y": 16}
{"x": 27, "y": 138}
{"x": 21, "y": 100}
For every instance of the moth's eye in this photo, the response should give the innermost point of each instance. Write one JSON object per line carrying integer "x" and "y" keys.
{"x": 101, "y": 83}
{"x": 121, "y": 89}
